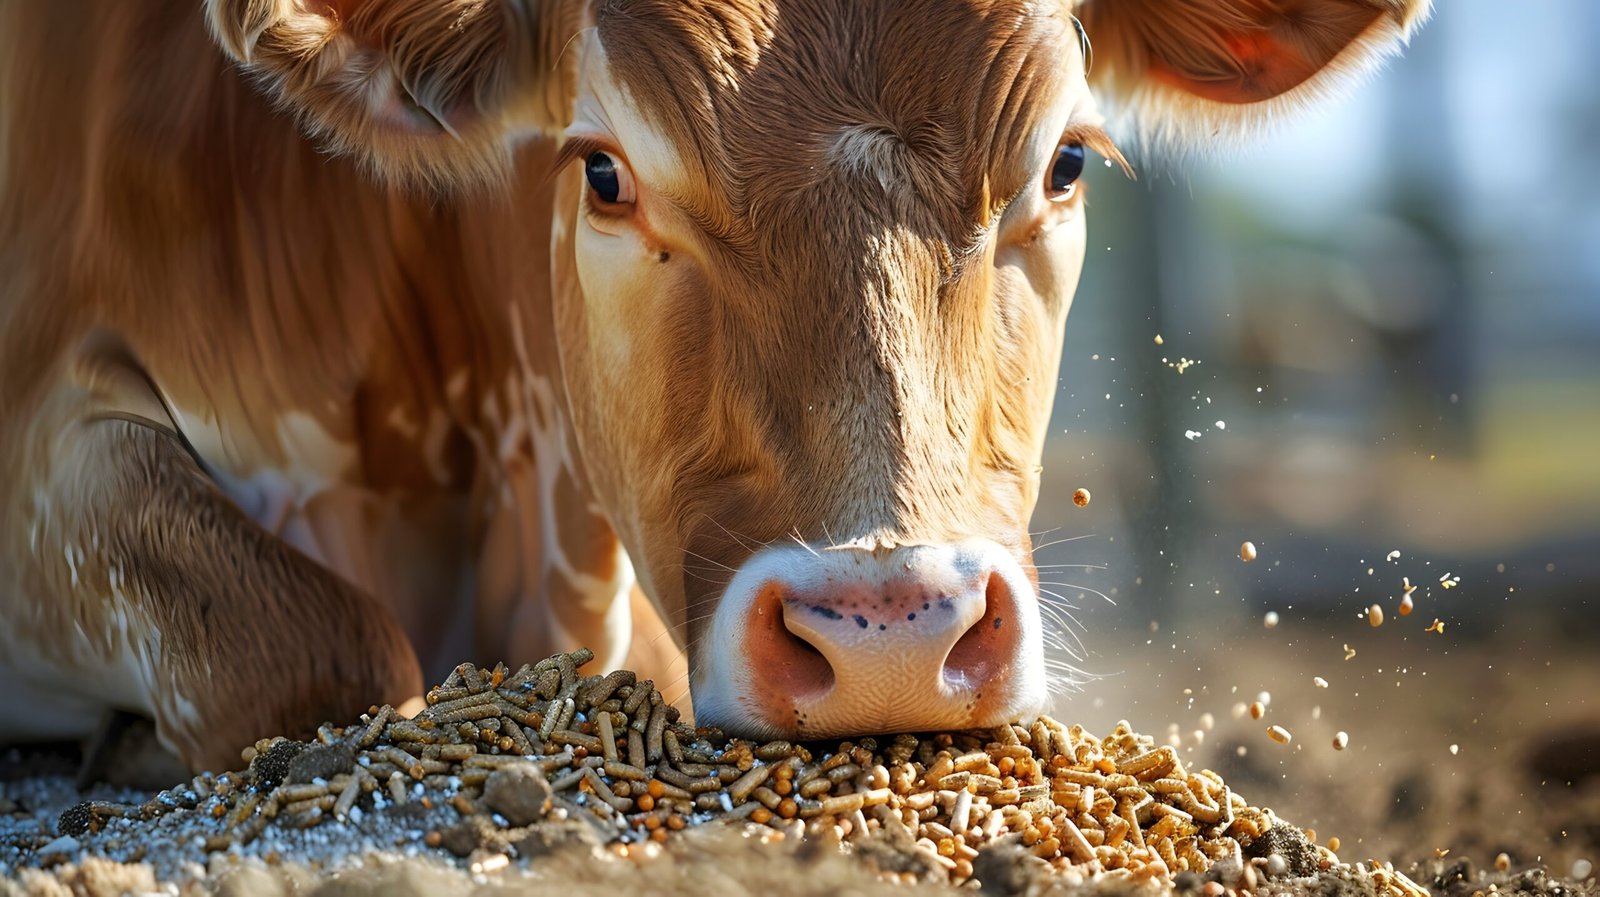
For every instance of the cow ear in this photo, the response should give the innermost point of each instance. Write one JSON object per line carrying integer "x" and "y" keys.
{"x": 428, "y": 93}
{"x": 1191, "y": 71}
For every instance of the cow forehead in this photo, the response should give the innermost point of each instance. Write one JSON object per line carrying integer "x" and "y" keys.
{"x": 774, "y": 105}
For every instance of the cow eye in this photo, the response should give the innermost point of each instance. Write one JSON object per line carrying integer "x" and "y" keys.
{"x": 608, "y": 178}
{"x": 1065, "y": 171}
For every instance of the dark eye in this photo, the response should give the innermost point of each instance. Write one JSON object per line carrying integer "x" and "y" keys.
{"x": 608, "y": 178}
{"x": 1065, "y": 171}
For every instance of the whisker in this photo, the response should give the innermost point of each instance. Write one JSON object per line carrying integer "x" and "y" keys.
{"x": 1038, "y": 548}
{"x": 795, "y": 535}
{"x": 737, "y": 539}
{"x": 711, "y": 579}
{"x": 714, "y": 563}
{"x": 683, "y": 628}
{"x": 1069, "y": 585}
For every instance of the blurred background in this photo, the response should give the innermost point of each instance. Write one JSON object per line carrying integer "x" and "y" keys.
{"x": 1369, "y": 344}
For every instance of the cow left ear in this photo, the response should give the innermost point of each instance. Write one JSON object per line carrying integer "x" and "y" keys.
{"x": 427, "y": 92}
{"x": 1196, "y": 70}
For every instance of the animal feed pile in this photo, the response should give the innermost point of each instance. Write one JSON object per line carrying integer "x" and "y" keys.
{"x": 501, "y": 756}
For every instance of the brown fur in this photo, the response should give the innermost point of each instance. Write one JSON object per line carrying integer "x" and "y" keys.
{"x": 851, "y": 333}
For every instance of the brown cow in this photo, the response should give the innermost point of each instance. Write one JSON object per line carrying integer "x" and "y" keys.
{"x": 395, "y": 328}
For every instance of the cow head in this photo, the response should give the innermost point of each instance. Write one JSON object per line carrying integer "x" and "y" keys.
{"x": 814, "y": 259}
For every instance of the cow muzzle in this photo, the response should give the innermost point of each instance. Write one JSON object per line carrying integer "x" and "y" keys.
{"x": 821, "y": 643}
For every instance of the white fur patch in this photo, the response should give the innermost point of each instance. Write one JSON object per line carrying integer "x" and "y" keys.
{"x": 273, "y": 494}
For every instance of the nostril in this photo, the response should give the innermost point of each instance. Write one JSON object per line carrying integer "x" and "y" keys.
{"x": 972, "y": 659}
{"x": 810, "y": 666}
{"x": 787, "y": 659}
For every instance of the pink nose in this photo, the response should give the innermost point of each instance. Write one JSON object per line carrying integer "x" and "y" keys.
{"x": 853, "y": 641}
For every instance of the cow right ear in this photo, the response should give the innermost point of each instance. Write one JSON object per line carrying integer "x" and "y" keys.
{"x": 1193, "y": 72}
{"x": 428, "y": 93}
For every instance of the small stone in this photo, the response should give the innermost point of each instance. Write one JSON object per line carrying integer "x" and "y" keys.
{"x": 520, "y": 793}
{"x": 545, "y": 839}
{"x": 321, "y": 761}
{"x": 64, "y": 844}
{"x": 1000, "y": 864}
{"x": 1290, "y": 846}
{"x": 465, "y": 836}
{"x": 75, "y": 820}
{"x": 272, "y": 767}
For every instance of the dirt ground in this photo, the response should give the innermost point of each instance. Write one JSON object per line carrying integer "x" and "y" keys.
{"x": 1460, "y": 748}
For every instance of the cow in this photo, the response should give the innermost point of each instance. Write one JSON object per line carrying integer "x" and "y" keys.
{"x": 343, "y": 340}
